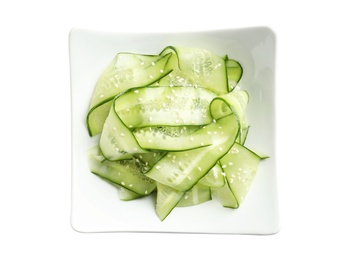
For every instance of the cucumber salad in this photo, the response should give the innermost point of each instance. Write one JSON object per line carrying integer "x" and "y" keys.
{"x": 173, "y": 126}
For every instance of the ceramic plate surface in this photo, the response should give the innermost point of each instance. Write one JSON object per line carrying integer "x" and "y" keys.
{"x": 95, "y": 203}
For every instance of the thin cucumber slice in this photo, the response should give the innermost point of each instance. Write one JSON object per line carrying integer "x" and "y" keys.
{"x": 224, "y": 195}
{"x": 176, "y": 77}
{"x": 214, "y": 178}
{"x": 96, "y": 117}
{"x": 117, "y": 142}
{"x": 125, "y": 194}
{"x": 243, "y": 134}
{"x": 126, "y": 173}
{"x": 234, "y": 102}
{"x": 187, "y": 139}
{"x": 199, "y": 67}
{"x": 127, "y": 71}
{"x": 224, "y": 105}
{"x": 96, "y": 158}
{"x": 170, "y": 138}
{"x": 160, "y": 106}
{"x": 149, "y": 159}
{"x": 167, "y": 199}
{"x": 197, "y": 195}
{"x": 240, "y": 165}
{"x": 234, "y": 72}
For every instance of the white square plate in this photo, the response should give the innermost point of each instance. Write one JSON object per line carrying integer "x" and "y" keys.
{"x": 95, "y": 204}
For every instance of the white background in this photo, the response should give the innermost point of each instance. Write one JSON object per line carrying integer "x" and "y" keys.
{"x": 35, "y": 175}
